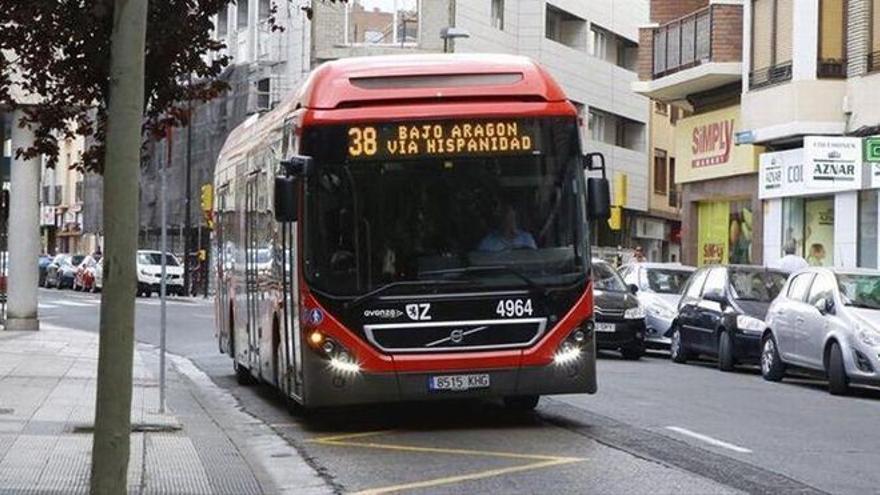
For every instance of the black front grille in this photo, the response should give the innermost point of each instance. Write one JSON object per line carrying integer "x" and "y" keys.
{"x": 455, "y": 336}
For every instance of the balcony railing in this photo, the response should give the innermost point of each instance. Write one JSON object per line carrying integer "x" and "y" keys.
{"x": 769, "y": 76}
{"x": 831, "y": 68}
{"x": 683, "y": 43}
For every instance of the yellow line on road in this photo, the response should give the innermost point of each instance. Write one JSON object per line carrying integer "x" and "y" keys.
{"x": 543, "y": 461}
{"x": 467, "y": 477}
{"x": 440, "y": 450}
{"x": 346, "y": 436}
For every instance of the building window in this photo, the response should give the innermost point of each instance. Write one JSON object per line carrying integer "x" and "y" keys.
{"x": 868, "y": 228}
{"x": 264, "y": 10}
{"x": 498, "y": 14}
{"x": 563, "y": 27}
{"x": 382, "y": 22}
{"x": 264, "y": 94}
{"x": 222, "y": 21}
{"x": 596, "y": 125}
{"x": 832, "y": 39}
{"x": 616, "y": 130}
{"x": 673, "y": 189}
{"x": 599, "y": 42}
{"x": 242, "y": 14}
{"x": 78, "y": 192}
{"x": 660, "y": 185}
{"x": 772, "y": 27}
{"x": 808, "y": 226}
{"x": 724, "y": 233}
{"x": 874, "y": 55}
{"x": 661, "y": 108}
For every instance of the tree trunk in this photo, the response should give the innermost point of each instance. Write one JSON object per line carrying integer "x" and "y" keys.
{"x": 110, "y": 451}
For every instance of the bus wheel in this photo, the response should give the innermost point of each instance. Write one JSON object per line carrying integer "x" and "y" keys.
{"x": 242, "y": 375}
{"x": 521, "y": 403}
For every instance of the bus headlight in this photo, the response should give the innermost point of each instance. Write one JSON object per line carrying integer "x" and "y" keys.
{"x": 571, "y": 349}
{"x": 340, "y": 359}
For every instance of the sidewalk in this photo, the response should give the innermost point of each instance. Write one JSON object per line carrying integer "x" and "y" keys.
{"x": 204, "y": 445}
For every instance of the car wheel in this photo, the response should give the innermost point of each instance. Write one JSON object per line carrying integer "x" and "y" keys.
{"x": 772, "y": 367}
{"x": 521, "y": 403}
{"x": 242, "y": 375}
{"x": 726, "y": 361}
{"x": 633, "y": 352}
{"x": 838, "y": 383}
{"x": 677, "y": 349}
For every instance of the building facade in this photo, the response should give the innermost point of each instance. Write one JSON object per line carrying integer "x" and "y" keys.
{"x": 691, "y": 57}
{"x": 819, "y": 193}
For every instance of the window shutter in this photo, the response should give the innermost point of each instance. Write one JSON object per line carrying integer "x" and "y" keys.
{"x": 784, "y": 28}
{"x": 762, "y": 30}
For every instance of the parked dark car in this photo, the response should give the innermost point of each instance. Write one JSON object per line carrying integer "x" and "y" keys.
{"x": 722, "y": 313}
{"x": 43, "y": 264}
{"x": 620, "y": 319}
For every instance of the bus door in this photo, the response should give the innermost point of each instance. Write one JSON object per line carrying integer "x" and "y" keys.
{"x": 251, "y": 245}
{"x": 292, "y": 333}
{"x": 222, "y": 262}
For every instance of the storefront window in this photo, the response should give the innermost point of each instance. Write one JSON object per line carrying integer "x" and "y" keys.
{"x": 868, "y": 228}
{"x": 725, "y": 232}
{"x": 809, "y": 225}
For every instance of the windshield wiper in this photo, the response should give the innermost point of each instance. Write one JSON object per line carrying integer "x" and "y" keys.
{"x": 404, "y": 283}
{"x": 534, "y": 286}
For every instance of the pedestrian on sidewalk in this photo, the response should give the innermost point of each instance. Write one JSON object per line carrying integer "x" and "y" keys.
{"x": 791, "y": 262}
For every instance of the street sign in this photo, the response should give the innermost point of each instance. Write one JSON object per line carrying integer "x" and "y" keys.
{"x": 872, "y": 149}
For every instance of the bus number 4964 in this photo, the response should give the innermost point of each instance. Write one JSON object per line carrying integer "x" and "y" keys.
{"x": 508, "y": 308}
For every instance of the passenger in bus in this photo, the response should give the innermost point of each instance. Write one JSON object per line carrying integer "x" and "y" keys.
{"x": 507, "y": 235}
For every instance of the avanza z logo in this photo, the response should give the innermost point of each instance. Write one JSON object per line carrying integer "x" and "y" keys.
{"x": 418, "y": 312}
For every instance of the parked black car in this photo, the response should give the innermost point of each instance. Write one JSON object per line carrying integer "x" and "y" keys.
{"x": 620, "y": 319}
{"x": 721, "y": 314}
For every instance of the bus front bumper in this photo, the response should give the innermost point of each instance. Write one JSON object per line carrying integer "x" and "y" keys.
{"x": 327, "y": 387}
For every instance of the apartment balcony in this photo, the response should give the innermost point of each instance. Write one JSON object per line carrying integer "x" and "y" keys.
{"x": 692, "y": 54}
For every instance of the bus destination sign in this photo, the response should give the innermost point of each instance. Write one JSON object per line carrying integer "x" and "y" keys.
{"x": 442, "y": 139}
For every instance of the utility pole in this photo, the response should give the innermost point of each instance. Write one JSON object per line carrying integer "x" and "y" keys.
{"x": 163, "y": 290}
{"x": 187, "y": 222}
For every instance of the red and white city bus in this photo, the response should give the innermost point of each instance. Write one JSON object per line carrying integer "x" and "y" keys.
{"x": 410, "y": 228}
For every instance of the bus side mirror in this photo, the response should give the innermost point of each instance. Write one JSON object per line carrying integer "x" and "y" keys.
{"x": 286, "y": 198}
{"x": 598, "y": 199}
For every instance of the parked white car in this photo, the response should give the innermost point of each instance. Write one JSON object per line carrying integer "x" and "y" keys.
{"x": 826, "y": 321}
{"x": 149, "y": 273}
{"x": 659, "y": 290}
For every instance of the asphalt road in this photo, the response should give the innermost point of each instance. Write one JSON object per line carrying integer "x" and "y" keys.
{"x": 654, "y": 427}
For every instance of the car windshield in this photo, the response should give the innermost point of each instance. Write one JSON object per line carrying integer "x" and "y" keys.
{"x": 606, "y": 278}
{"x": 156, "y": 259}
{"x": 755, "y": 285}
{"x": 667, "y": 281}
{"x": 377, "y": 222}
{"x": 861, "y": 291}
{"x": 76, "y": 259}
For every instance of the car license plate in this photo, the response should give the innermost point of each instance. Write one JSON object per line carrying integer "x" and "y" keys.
{"x": 458, "y": 382}
{"x": 605, "y": 327}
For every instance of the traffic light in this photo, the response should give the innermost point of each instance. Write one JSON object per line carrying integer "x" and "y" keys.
{"x": 207, "y": 202}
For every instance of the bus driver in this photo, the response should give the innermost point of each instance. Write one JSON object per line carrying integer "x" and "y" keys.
{"x": 507, "y": 235}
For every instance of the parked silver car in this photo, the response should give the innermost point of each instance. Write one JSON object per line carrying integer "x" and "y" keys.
{"x": 826, "y": 321}
{"x": 659, "y": 290}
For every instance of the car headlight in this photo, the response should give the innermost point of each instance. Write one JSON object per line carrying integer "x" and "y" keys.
{"x": 868, "y": 335}
{"x": 660, "y": 311}
{"x": 749, "y": 324}
{"x": 635, "y": 313}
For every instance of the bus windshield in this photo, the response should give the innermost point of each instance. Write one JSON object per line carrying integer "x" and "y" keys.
{"x": 376, "y": 222}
